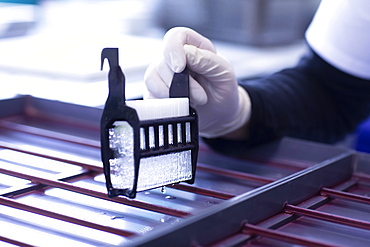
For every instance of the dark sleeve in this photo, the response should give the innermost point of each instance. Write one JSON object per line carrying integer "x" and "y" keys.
{"x": 312, "y": 101}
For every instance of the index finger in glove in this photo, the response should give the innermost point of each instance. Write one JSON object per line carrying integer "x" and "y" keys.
{"x": 154, "y": 79}
{"x": 174, "y": 42}
{"x": 158, "y": 77}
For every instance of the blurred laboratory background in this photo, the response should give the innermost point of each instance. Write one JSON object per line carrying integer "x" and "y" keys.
{"x": 51, "y": 48}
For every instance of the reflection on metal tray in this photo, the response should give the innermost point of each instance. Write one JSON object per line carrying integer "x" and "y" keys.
{"x": 285, "y": 193}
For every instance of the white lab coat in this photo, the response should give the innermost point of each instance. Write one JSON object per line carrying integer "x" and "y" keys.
{"x": 340, "y": 34}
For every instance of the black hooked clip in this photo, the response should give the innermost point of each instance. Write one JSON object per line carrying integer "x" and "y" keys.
{"x": 115, "y": 109}
{"x": 117, "y": 112}
{"x": 116, "y": 77}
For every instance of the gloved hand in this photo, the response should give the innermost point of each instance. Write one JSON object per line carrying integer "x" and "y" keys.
{"x": 222, "y": 105}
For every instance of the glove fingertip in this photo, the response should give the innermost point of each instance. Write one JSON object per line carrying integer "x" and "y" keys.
{"x": 197, "y": 94}
{"x": 176, "y": 62}
{"x": 201, "y": 99}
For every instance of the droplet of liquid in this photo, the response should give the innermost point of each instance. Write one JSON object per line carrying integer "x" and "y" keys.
{"x": 170, "y": 197}
{"x": 211, "y": 203}
{"x": 163, "y": 189}
{"x": 116, "y": 217}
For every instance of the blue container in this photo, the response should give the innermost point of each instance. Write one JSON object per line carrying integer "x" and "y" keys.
{"x": 363, "y": 137}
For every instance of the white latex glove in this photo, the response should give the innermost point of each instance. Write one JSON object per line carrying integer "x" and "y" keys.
{"x": 222, "y": 105}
